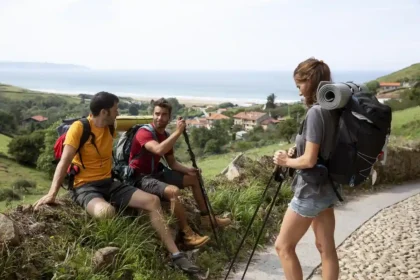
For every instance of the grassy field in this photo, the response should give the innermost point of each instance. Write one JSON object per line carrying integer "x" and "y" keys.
{"x": 10, "y": 171}
{"x": 406, "y": 123}
{"x": 213, "y": 165}
{"x": 17, "y": 93}
{"x": 4, "y": 141}
{"x": 411, "y": 72}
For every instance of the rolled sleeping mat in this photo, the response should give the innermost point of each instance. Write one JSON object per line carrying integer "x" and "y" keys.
{"x": 332, "y": 96}
{"x": 123, "y": 123}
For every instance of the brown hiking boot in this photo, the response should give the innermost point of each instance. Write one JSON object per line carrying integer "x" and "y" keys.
{"x": 192, "y": 239}
{"x": 221, "y": 222}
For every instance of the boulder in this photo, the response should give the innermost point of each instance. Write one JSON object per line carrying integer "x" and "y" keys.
{"x": 104, "y": 257}
{"x": 8, "y": 231}
{"x": 37, "y": 228}
{"x": 232, "y": 172}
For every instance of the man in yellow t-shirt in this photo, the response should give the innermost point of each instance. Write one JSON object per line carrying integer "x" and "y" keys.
{"x": 94, "y": 188}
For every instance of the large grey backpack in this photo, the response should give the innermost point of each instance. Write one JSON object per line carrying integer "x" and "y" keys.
{"x": 122, "y": 170}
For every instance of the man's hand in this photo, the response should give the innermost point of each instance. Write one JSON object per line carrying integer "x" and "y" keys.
{"x": 280, "y": 158}
{"x": 193, "y": 171}
{"x": 180, "y": 125}
{"x": 46, "y": 199}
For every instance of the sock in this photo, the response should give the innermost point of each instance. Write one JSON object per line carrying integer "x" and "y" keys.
{"x": 176, "y": 254}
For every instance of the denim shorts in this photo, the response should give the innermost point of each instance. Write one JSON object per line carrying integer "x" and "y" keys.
{"x": 310, "y": 207}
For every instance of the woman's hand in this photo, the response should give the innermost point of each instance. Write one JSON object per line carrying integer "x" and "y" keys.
{"x": 291, "y": 151}
{"x": 280, "y": 158}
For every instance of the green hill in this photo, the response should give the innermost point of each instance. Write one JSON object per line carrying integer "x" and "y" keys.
{"x": 17, "y": 93}
{"x": 410, "y": 73}
{"x": 4, "y": 141}
{"x": 11, "y": 171}
{"x": 406, "y": 123}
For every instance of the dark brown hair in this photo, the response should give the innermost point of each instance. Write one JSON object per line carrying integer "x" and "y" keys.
{"x": 311, "y": 71}
{"x": 102, "y": 100}
{"x": 163, "y": 103}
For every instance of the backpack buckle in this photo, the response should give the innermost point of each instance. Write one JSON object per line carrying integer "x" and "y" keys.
{"x": 73, "y": 170}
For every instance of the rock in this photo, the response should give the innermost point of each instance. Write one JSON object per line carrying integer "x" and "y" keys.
{"x": 8, "y": 231}
{"x": 233, "y": 172}
{"x": 104, "y": 257}
{"x": 37, "y": 228}
{"x": 27, "y": 208}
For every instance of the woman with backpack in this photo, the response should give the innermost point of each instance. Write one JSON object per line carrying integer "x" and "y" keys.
{"x": 314, "y": 198}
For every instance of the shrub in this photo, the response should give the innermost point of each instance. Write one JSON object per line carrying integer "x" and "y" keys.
{"x": 27, "y": 148}
{"x": 9, "y": 195}
{"x": 44, "y": 162}
{"x": 23, "y": 185}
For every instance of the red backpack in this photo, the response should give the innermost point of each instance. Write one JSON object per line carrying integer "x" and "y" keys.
{"x": 62, "y": 129}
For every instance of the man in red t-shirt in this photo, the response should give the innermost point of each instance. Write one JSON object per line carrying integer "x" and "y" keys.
{"x": 167, "y": 182}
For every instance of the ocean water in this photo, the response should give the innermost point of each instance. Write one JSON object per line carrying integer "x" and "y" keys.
{"x": 239, "y": 87}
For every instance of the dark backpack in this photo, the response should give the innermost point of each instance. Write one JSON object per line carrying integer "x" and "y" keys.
{"x": 122, "y": 170}
{"x": 363, "y": 129}
{"x": 62, "y": 129}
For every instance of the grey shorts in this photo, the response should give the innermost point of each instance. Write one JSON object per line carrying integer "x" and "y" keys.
{"x": 157, "y": 183}
{"x": 309, "y": 207}
{"x": 116, "y": 193}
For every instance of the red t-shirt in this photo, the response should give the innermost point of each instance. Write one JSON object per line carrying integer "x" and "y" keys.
{"x": 143, "y": 164}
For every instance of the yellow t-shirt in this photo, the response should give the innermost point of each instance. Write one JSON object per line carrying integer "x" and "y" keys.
{"x": 98, "y": 166}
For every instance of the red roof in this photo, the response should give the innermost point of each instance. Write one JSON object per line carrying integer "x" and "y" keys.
{"x": 389, "y": 84}
{"x": 198, "y": 122}
{"x": 39, "y": 118}
{"x": 269, "y": 120}
{"x": 253, "y": 116}
{"x": 217, "y": 116}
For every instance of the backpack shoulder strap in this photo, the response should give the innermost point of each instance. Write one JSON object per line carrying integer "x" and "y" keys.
{"x": 150, "y": 128}
{"x": 85, "y": 136}
{"x": 112, "y": 130}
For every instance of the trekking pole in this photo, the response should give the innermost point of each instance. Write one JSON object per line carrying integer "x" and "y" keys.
{"x": 280, "y": 176}
{"x": 203, "y": 190}
{"x": 250, "y": 223}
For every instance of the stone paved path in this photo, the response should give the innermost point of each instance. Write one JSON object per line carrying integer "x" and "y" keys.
{"x": 397, "y": 233}
{"x": 385, "y": 247}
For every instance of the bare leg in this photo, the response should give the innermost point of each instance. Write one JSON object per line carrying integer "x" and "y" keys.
{"x": 292, "y": 229}
{"x": 172, "y": 193}
{"x": 324, "y": 226}
{"x": 195, "y": 186}
{"x": 100, "y": 209}
{"x": 151, "y": 203}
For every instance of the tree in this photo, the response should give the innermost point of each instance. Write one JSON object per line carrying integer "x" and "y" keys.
{"x": 46, "y": 157}
{"x": 7, "y": 123}
{"x": 225, "y": 105}
{"x": 287, "y": 129}
{"x": 133, "y": 110}
{"x": 176, "y": 106}
{"x": 236, "y": 128}
{"x": 27, "y": 148}
{"x": 270, "y": 102}
{"x": 296, "y": 112}
{"x": 212, "y": 147}
{"x": 373, "y": 86}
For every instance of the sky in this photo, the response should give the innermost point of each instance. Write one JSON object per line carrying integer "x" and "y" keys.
{"x": 212, "y": 34}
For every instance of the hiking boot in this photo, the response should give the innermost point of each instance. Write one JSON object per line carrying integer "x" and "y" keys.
{"x": 193, "y": 239}
{"x": 183, "y": 263}
{"x": 221, "y": 222}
